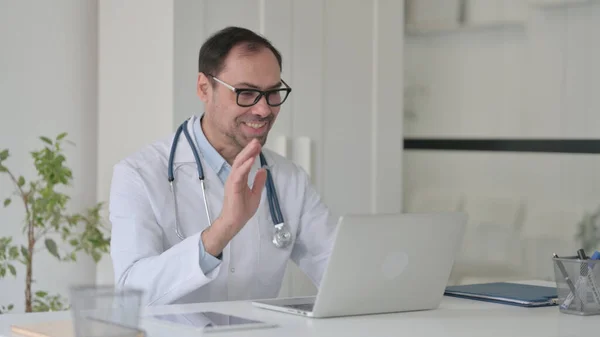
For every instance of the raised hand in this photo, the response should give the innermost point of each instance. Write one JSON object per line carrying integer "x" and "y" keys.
{"x": 240, "y": 201}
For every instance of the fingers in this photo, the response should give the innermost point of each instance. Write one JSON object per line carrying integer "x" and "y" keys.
{"x": 259, "y": 182}
{"x": 250, "y": 151}
{"x": 239, "y": 175}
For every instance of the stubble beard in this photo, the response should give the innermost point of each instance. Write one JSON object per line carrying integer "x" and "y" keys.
{"x": 238, "y": 138}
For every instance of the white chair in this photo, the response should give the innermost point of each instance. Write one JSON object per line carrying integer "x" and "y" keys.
{"x": 491, "y": 248}
{"x": 433, "y": 200}
{"x": 499, "y": 211}
{"x": 550, "y": 227}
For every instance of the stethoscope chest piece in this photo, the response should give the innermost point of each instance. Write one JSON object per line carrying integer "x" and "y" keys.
{"x": 282, "y": 236}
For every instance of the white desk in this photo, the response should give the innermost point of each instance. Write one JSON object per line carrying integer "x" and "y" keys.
{"x": 455, "y": 317}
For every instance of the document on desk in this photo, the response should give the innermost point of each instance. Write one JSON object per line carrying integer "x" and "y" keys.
{"x": 506, "y": 293}
{"x": 64, "y": 328}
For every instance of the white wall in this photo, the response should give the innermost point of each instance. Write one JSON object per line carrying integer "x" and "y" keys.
{"x": 535, "y": 80}
{"x": 468, "y": 84}
{"x": 47, "y": 86}
{"x": 189, "y": 30}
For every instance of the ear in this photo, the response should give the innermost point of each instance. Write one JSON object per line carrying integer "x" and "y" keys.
{"x": 203, "y": 87}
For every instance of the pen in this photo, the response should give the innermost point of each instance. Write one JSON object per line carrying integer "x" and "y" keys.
{"x": 573, "y": 293}
{"x": 595, "y": 256}
{"x": 583, "y": 271}
{"x": 590, "y": 276}
{"x": 586, "y": 274}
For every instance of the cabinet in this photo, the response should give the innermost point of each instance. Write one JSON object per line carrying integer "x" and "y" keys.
{"x": 437, "y": 14}
{"x": 482, "y": 12}
{"x": 427, "y": 16}
{"x": 343, "y": 121}
{"x": 557, "y": 3}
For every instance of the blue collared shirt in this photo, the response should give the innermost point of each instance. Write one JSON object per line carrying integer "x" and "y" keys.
{"x": 212, "y": 157}
{"x": 222, "y": 168}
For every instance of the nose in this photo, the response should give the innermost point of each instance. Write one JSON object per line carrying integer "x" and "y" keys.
{"x": 261, "y": 107}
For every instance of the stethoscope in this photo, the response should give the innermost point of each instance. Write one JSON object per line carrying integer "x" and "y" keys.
{"x": 282, "y": 236}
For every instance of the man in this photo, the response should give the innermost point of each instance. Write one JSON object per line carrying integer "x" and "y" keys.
{"x": 182, "y": 246}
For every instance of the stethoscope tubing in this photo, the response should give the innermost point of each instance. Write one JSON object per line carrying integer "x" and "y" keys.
{"x": 274, "y": 207}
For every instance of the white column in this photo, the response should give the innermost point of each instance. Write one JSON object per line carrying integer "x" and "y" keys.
{"x": 135, "y": 87}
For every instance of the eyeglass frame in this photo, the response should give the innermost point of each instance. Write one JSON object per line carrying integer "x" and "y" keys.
{"x": 261, "y": 93}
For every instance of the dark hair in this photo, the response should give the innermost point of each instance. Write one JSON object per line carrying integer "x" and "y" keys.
{"x": 214, "y": 51}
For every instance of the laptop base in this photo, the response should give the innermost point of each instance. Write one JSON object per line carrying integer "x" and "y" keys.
{"x": 299, "y": 306}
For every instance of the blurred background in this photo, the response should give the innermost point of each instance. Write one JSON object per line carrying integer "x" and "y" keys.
{"x": 485, "y": 106}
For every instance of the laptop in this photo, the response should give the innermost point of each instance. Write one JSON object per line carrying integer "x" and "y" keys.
{"x": 383, "y": 263}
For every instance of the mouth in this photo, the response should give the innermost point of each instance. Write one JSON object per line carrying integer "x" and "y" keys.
{"x": 255, "y": 128}
{"x": 256, "y": 125}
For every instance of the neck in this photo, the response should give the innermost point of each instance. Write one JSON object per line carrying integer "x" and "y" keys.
{"x": 226, "y": 147}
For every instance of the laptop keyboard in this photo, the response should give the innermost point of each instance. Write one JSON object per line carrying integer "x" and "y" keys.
{"x": 302, "y": 306}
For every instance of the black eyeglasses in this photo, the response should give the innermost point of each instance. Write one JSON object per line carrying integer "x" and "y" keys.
{"x": 249, "y": 97}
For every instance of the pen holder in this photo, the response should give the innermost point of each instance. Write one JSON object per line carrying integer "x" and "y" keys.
{"x": 577, "y": 285}
{"x": 103, "y": 311}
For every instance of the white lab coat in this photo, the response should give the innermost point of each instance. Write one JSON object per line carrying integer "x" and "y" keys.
{"x": 147, "y": 253}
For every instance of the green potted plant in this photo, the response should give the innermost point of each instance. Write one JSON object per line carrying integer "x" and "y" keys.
{"x": 46, "y": 219}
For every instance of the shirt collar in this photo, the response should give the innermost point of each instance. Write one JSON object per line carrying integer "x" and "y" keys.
{"x": 212, "y": 157}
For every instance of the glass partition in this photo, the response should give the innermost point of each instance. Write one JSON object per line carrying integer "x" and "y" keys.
{"x": 502, "y": 121}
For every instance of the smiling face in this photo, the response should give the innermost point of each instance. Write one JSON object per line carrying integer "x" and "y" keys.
{"x": 228, "y": 126}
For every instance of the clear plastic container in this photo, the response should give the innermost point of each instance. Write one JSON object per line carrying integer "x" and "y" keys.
{"x": 577, "y": 285}
{"x": 106, "y": 311}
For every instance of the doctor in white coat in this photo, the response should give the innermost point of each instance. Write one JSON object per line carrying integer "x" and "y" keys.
{"x": 182, "y": 244}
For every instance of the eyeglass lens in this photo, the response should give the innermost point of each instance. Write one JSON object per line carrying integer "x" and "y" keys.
{"x": 251, "y": 97}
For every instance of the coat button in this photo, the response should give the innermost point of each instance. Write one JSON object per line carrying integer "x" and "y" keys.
{"x": 232, "y": 270}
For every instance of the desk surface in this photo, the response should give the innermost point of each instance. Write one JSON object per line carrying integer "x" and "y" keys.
{"x": 454, "y": 317}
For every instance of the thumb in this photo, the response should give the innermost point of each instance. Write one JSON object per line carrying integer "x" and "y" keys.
{"x": 259, "y": 182}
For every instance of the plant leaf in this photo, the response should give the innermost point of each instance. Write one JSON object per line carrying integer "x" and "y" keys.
{"x": 96, "y": 256}
{"x": 10, "y": 307}
{"x": 41, "y": 293}
{"x": 21, "y": 181}
{"x": 3, "y": 154}
{"x": 7, "y": 202}
{"x": 52, "y": 248}
{"x": 3, "y": 168}
{"x": 25, "y": 253}
{"x": 46, "y": 139}
{"x": 12, "y": 269}
{"x": 13, "y": 252}
{"x": 61, "y": 136}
